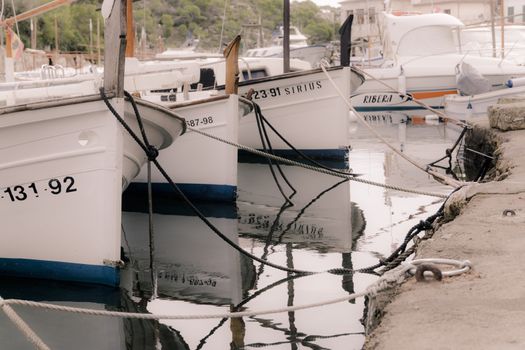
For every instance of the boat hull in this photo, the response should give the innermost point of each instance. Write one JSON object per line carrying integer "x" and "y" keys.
{"x": 305, "y": 108}
{"x": 203, "y": 168}
{"x": 476, "y": 107}
{"x": 428, "y": 85}
{"x": 61, "y": 176}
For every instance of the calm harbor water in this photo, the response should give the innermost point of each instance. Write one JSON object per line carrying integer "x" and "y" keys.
{"x": 331, "y": 224}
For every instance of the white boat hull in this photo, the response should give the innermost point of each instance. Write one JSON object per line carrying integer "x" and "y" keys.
{"x": 203, "y": 168}
{"x": 306, "y": 110}
{"x": 476, "y": 107}
{"x": 61, "y": 176}
{"x": 428, "y": 80}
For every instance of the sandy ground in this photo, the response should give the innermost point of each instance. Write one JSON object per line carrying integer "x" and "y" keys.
{"x": 485, "y": 308}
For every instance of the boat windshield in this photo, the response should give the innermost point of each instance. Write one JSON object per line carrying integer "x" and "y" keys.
{"x": 427, "y": 41}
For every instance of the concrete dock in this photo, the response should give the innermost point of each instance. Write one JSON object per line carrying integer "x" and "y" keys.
{"x": 483, "y": 308}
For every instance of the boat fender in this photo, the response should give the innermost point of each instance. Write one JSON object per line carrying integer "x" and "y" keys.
{"x": 511, "y": 83}
{"x": 402, "y": 82}
{"x": 421, "y": 269}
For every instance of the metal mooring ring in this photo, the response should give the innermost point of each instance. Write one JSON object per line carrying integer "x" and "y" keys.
{"x": 509, "y": 212}
{"x": 421, "y": 269}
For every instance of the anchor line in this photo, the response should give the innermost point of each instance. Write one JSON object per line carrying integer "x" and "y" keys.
{"x": 402, "y": 253}
{"x": 448, "y": 154}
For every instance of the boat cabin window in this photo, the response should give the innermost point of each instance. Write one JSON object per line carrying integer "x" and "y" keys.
{"x": 427, "y": 41}
{"x": 254, "y": 74}
{"x": 207, "y": 79}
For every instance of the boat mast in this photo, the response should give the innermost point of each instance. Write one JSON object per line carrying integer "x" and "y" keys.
{"x": 286, "y": 36}
{"x": 8, "y": 23}
{"x": 114, "y": 12}
{"x": 130, "y": 33}
{"x": 502, "y": 29}
{"x": 493, "y": 31}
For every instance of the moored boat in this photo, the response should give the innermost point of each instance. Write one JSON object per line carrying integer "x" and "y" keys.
{"x": 64, "y": 165}
{"x": 475, "y": 107}
{"x": 305, "y": 108}
{"x": 426, "y": 70}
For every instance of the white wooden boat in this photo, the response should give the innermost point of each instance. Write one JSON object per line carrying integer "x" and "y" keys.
{"x": 305, "y": 108}
{"x": 203, "y": 168}
{"x": 64, "y": 164}
{"x": 423, "y": 68}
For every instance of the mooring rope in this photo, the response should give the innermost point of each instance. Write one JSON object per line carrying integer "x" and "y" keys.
{"x": 393, "y": 277}
{"x": 444, "y": 179}
{"x": 339, "y": 174}
{"x": 22, "y": 326}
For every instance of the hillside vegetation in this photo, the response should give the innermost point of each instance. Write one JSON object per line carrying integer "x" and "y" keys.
{"x": 168, "y": 23}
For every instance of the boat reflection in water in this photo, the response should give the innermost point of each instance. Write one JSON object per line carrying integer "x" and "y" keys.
{"x": 197, "y": 273}
{"x": 320, "y": 217}
{"x": 184, "y": 259}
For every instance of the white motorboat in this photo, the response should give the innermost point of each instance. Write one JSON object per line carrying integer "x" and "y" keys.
{"x": 475, "y": 107}
{"x": 421, "y": 61}
{"x": 64, "y": 164}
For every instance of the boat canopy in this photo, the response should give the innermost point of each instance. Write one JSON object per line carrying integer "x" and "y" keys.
{"x": 419, "y": 35}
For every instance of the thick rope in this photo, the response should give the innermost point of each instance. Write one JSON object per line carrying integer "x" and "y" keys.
{"x": 444, "y": 179}
{"x": 314, "y": 168}
{"x": 394, "y": 277}
{"x": 22, "y": 326}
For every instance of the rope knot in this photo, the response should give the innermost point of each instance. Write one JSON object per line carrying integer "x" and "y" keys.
{"x": 152, "y": 153}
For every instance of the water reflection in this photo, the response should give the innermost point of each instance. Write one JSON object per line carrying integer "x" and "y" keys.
{"x": 197, "y": 272}
{"x": 61, "y": 330}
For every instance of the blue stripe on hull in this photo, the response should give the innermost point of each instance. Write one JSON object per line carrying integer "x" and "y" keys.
{"x": 201, "y": 192}
{"x": 329, "y": 154}
{"x": 333, "y": 158}
{"x": 62, "y": 271}
{"x": 394, "y": 108}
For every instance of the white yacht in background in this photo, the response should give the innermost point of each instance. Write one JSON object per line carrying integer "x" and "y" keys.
{"x": 299, "y": 48}
{"x": 478, "y": 41}
{"x": 421, "y": 61}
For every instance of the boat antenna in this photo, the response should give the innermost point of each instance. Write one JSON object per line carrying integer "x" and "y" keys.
{"x": 222, "y": 26}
